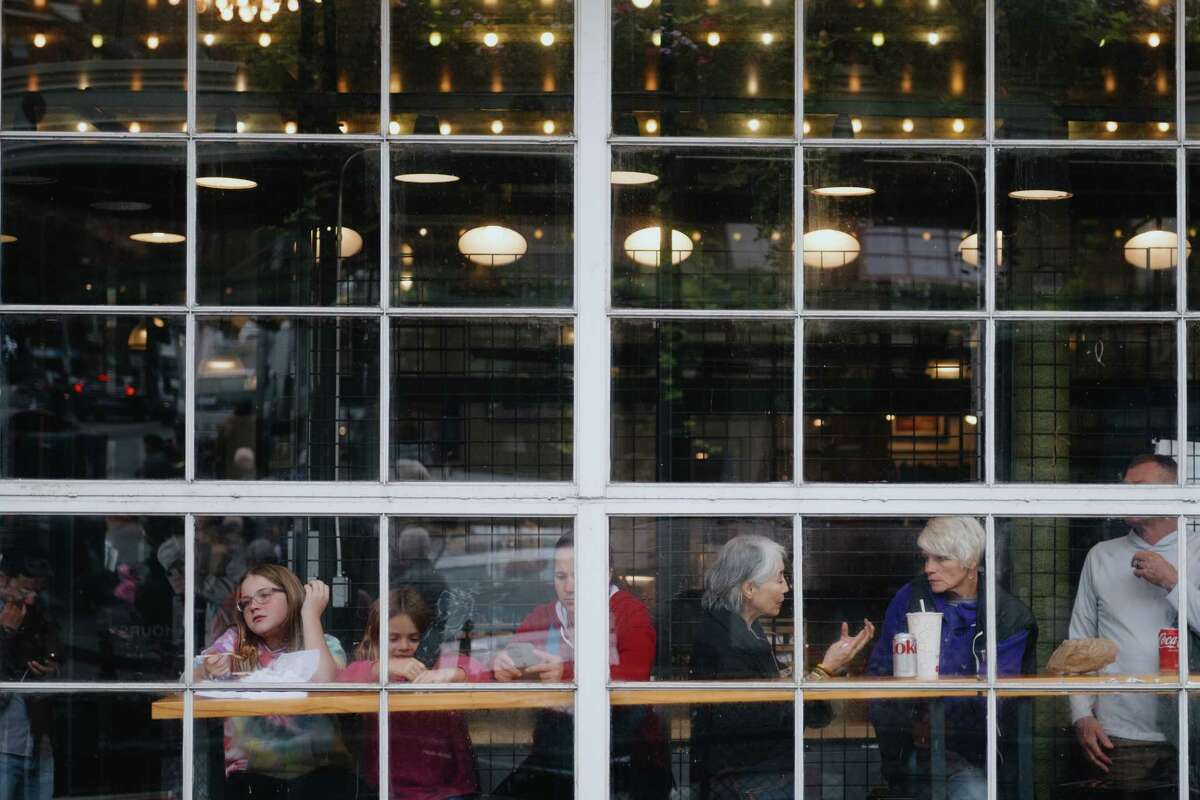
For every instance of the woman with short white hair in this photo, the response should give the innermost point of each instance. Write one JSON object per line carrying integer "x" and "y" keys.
{"x": 747, "y": 749}
{"x": 952, "y": 551}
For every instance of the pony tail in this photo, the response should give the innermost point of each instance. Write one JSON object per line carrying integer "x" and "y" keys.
{"x": 245, "y": 655}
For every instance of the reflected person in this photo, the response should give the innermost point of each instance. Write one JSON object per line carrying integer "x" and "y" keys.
{"x": 951, "y": 582}
{"x": 1127, "y": 592}
{"x": 747, "y": 749}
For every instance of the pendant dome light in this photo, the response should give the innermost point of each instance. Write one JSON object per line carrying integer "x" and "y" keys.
{"x": 492, "y": 245}
{"x": 644, "y": 246}
{"x": 968, "y": 249}
{"x": 829, "y": 249}
{"x": 1155, "y": 250}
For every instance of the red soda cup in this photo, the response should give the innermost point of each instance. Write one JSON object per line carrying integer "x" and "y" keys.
{"x": 1168, "y": 650}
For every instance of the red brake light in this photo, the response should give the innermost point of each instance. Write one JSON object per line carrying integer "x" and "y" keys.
{"x": 78, "y": 388}
{"x": 130, "y": 391}
{"x": 102, "y": 377}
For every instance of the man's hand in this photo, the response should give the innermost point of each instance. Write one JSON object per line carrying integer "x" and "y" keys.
{"x": 41, "y": 669}
{"x": 1092, "y": 738}
{"x": 549, "y": 669}
{"x": 504, "y": 669}
{"x": 1155, "y": 569}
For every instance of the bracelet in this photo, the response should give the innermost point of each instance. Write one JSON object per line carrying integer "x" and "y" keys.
{"x": 820, "y": 672}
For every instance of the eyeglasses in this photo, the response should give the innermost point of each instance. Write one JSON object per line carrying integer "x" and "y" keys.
{"x": 260, "y": 597}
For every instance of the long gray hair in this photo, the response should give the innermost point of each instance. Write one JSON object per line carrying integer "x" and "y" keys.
{"x": 749, "y": 557}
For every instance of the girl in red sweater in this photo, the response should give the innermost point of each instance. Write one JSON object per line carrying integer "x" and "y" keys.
{"x": 429, "y": 752}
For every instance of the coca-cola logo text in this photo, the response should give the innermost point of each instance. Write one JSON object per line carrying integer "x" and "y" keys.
{"x": 1168, "y": 640}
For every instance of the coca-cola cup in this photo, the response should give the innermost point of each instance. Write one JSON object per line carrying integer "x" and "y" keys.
{"x": 926, "y": 628}
{"x": 1168, "y": 650}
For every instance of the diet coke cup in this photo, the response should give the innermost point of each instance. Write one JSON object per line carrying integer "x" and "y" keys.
{"x": 1168, "y": 650}
{"x": 904, "y": 655}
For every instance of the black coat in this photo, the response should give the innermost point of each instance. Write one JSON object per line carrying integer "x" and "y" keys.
{"x": 741, "y": 737}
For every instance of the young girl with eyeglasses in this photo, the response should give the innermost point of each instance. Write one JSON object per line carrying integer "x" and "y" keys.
{"x": 291, "y": 758}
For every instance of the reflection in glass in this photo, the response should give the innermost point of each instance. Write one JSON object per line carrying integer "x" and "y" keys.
{"x": 487, "y": 581}
{"x": 703, "y": 749}
{"x": 1075, "y": 401}
{"x": 84, "y": 66}
{"x": 481, "y": 228}
{"x": 71, "y": 212}
{"x": 277, "y": 749}
{"x": 920, "y": 745}
{"x": 88, "y": 745}
{"x": 1085, "y": 230}
{"x": 1193, "y": 212}
{"x": 729, "y": 214}
{"x": 893, "y": 401}
{"x": 883, "y": 72}
{"x": 91, "y": 397}
{"x": 269, "y": 218}
{"x": 481, "y": 400}
{"x": 461, "y": 67}
{"x": 1049, "y": 762}
{"x": 281, "y": 398}
{"x": 698, "y": 68}
{"x": 91, "y": 598}
{"x": 706, "y": 401}
{"x": 662, "y": 562}
{"x": 341, "y": 551}
{"x": 1076, "y": 69}
{"x": 300, "y": 66}
{"x": 888, "y": 229}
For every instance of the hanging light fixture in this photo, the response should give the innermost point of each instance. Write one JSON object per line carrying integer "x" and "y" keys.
{"x": 350, "y": 242}
{"x": 492, "y": 245}
{"x": 632, "y": 178}
{"x": 946, "y": 369}
{"x": 426, "y": 177}
{"x": 227, "y": 184}
{"x": 968, "y": 249}
{"x": 644, "y": 246}
{"x": 1041, "y": 178}
{"x": 843, "y": 191}
{"x": 829, "y": 249}
{"x": 1155, "y": 250}
{"x": 157, "y": 237}
{"x": 138, "y": 337}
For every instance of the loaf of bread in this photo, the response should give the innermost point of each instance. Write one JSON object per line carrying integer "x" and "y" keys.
{"x": 1080, "y": 656}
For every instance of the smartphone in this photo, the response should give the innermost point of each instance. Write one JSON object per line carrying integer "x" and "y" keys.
{"x": 522, "y": 655}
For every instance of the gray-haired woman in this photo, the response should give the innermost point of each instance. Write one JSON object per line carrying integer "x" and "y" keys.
{"x": 748, "y": 747}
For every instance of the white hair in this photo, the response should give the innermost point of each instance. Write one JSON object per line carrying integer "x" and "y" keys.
{"x": 960, "y": 538}
{"x": 748, "y": 557}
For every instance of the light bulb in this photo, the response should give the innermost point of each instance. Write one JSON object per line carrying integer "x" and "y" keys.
{"x": 642, "y": 3}
{"x": 289, "y": 127}
{"x": 713, "y": 39}
{"x": 1111, "y": 126}
{"x": 856, "y": 125}
{"x": 958, "y": 125}
{"x": 767, "y": 38}
{"x": 209, "y": 40}
{"x": 1164, "y": 127}
{"x": 878, "y": 39}
{"x": 135, "y": 127}
{"x": 97, "y": 41}
{"x": 933, "y": 38}
{"x": 651, "y": 126}
{"x": 81, "y": 127}
{"x": 907, "y": 126}
{"x": 240, "y": 127}
{"x": 806, "y": 127}
{"x": 1153, "y": 40}
{"x": 39, "y": 40}
{"x": 548, "y": 126}
{"x": 394, "y": 127}
{"x": 264, "y": 39}
{"x": 547, "y": 38}
{"x": 444, "y": 129}
{"x": 656, "y": 38}
{"x": 435, "y": 39}
{"x": 491, "y": 39}
{"x": 753, "y": 124}
{"x": 152, "y": 41}
{"x": 497, "y": 126}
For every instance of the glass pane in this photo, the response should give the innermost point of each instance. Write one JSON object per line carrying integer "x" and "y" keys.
{"x": 1085, "y": 229}
{"x": 91, "y": 599}
{"x": 303, "y": 66}
{"x": 482, "y": 400}
{"x": 915, "y": 71}
{"x": 282, "y": 745}
{"x": 697, "y": 68}
{"x": 1193, "y": 213}
{"x": 898, "y": 744}
{"x": 707, "y": 401}
{"x": 474, "y": 227}
{"x": 461, "y": 67}
{"x": 1049, "y": 762}
{"x": 730, "y": 217}
{"x": 239, "y": 557}
{"x": 1075, "y": 401}
{"x": 699, "y": 747}
{"x": 660, "y": 566}
{"x": 482, "y": 595}
{"x": 84, "y": 66}
{"x": 268, "y": 218}
{"x": 1080, "y": 577}
{"x": 888, "y": 229}
{"x": 89, "y": 745}
{"x": 893, "y": 401}
{"x": 99, "y": 223}
{"x": 1076, "y": 69}
{"x": 283, "y": 398}
{"x": 91, "y": 397}
{"x": 881, "y": 570}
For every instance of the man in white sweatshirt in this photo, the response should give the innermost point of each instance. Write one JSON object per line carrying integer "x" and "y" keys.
{"x": 1127, "y": 592}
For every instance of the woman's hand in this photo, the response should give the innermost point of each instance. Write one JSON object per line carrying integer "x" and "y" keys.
{"x": 504, "y": 669}
{"x": 842, "y": 652}
{"x": 217, "y": 666}
{"x": 316, "y": 598}
{"x": 549, "y": 669}
{"x": 407, "y": 668}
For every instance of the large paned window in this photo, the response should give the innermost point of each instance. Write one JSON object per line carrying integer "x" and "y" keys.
{"x": 612, "y": 399}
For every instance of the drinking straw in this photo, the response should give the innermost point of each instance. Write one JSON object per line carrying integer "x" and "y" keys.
{"x": 922, "y": 602}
